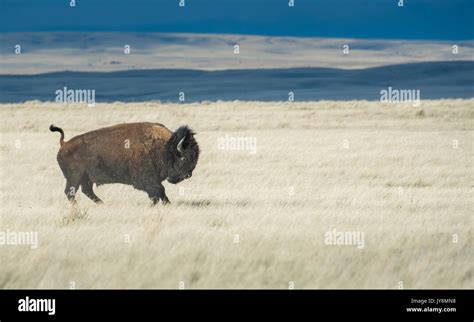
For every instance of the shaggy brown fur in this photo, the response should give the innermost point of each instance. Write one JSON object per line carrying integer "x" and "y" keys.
{"x": 138, "y": 154}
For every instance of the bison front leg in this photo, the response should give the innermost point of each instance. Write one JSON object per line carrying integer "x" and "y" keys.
{"x": 157, "y": 192}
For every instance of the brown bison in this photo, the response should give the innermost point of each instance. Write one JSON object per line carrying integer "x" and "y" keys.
{"x": 137, "y": 154}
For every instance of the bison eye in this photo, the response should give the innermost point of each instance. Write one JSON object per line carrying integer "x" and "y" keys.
{"x": 183, "y": 159}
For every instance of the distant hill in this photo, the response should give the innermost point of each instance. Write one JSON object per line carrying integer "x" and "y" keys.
{"x": 435, "y": 80}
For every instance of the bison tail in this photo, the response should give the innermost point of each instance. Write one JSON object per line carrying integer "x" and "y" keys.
{"x": 53, "y": 128}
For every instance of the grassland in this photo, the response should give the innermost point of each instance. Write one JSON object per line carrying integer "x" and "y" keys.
{"x": 402, "y": 175}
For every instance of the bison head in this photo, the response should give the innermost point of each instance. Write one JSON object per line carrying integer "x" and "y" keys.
{"x": 184, "y": 153}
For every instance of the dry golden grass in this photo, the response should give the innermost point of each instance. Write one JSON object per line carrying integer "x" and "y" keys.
{"x": 390, "y": 171}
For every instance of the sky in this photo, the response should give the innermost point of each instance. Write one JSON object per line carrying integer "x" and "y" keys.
{"x": 381, "y": 19}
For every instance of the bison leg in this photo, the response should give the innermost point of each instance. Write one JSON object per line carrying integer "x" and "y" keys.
{"x": 73, "y": 179}
{"x": 156, "y": 193}
{"x": 71, "y": 190}
{"x": 86, "y": 187}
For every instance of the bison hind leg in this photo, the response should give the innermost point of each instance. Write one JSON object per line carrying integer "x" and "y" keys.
{"x": 71, "y": 190}
{"x": 73, "y": 180}
{"x": 86, "y": 187}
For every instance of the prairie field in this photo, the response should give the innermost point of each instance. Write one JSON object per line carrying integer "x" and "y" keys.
{"x": 273, "y": 181}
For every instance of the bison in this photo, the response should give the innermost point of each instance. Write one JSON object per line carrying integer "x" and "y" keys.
{"x": 142, "y": 155}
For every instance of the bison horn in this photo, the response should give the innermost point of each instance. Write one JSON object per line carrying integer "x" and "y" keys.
{"x": 180, "y": 146}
